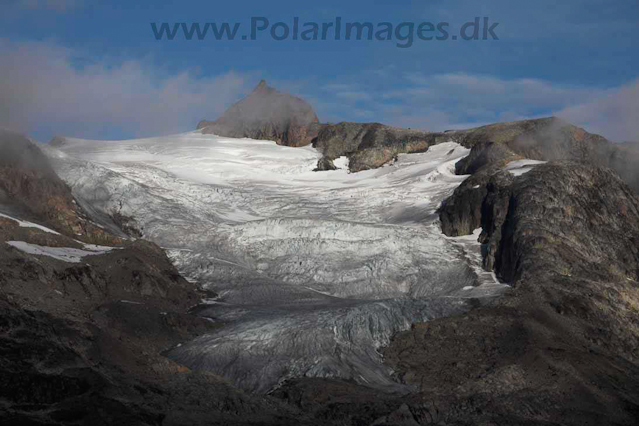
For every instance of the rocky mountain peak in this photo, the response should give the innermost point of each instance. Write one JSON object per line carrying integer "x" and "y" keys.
{"x": 267, "y": 114}
{"x": 263, "y": 87}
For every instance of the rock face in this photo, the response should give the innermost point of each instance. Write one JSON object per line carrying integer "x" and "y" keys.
{"x": 566, "y": 235}
{"x": 544, "y": 139}
{"x": 81, "y": 343}
{"x": 267, "y": 114}
{"x": 370, "y": 145}
{"x": 494, "y": 146}
{"x": 561, "y": 348}
{"x": 32, "y": 188}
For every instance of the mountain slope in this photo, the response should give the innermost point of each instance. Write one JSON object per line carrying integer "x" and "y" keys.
{"x": 315, "y": 271}
{"x": 560, "y": 348}
{"x": 30, "y": 187}
{"x": 82, "y": 327}
{"x": 267, "y": 114}
{"x": 371, "y": 145}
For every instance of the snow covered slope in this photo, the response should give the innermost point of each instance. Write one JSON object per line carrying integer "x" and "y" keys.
{"x": 315, "y": 270}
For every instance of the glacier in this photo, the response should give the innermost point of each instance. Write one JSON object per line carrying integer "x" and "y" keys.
{"x": 314, "y": 271}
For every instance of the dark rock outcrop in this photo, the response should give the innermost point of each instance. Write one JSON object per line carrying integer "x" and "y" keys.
{"x": 494, "y": 146}
{"x": 32, "y": 188}
{"x": 371, "y": 145}
{"x": 544, "y": 139}
{"x": 560, "y": 348}
{"x": 82, "y": 343}
{"x": 325, "y": 164}
{"x": 583, "y": 218}
{"x": 267, "y": 114}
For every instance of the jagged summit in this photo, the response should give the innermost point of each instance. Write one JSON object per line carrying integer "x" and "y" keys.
{"x": 263, "y": 87}
{"x": 268, "y": 114}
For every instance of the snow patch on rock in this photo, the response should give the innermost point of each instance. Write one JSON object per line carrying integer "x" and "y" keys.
{"x": 26, "y": 224}
{"x": 521, "y": 167}
{"x": 314, "y": 271}
{"x": 65, "y": 254}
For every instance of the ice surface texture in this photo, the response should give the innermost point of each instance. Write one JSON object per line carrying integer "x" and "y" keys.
{"x": 315, "y": 270}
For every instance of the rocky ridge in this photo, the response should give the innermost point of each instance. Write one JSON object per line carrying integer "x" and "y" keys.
{"x": 272, "y": 115}
{"x": 373, "y": 145}
{"x": 559, "y": 349}
{"x": 267, "y": 114}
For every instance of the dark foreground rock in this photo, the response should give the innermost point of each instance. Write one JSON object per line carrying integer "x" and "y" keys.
{"x": 267, "y": 114}
{"x": 561, "y": 348}
{"x": 81, "y": 341}
{"x": 371, "y": 145}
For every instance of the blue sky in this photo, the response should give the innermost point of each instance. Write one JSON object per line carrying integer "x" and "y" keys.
{"x": 94, "y": 69}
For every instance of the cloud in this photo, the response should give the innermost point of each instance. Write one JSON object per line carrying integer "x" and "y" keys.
{"x": 462, "y": 100}
{"x": 42, "y": 90}
{"x": 615, "y": 113}
{"x": 489, "y": 91}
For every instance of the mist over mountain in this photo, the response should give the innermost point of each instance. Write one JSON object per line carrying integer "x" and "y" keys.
{"x": 267, "y": 114}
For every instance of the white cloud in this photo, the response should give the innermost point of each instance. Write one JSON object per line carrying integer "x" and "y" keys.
{"x": 614, "y": 114}
{"x": 41, "y": 89}
{"x": 460, "y": 100}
